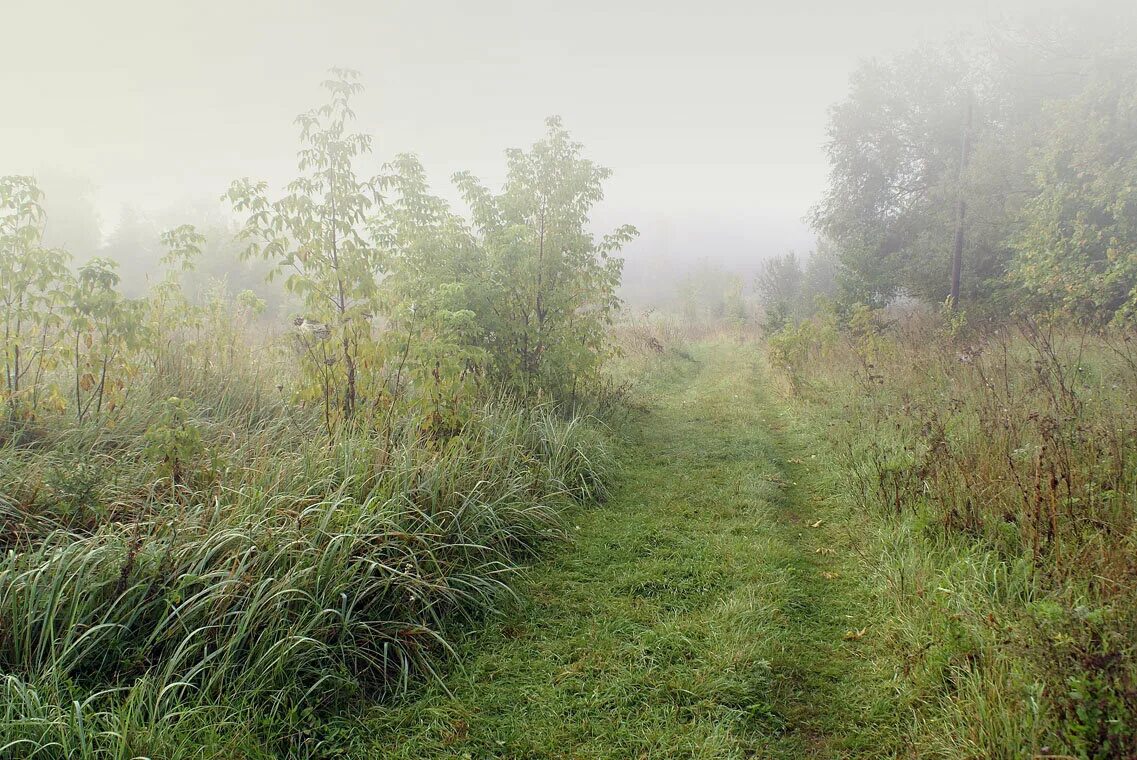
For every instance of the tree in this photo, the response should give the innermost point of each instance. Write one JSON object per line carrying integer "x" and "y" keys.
{"x": 221, "y": 265}
{"x": 318, "y": 238}
{"x": 709, "y": 292}
{"x": 432, "y": 296}
{"x": 547, "y": 286}
{"x": 895, "y": 175}
{"x": 734, "y": 302}
{"x": 779, "y": 285}
{"x": 133, "y": 245}
{"x": 1077, "y": 251}
{"x": 107, "y": 331}
{"x": 820, "y": 275}
{"x": 934, "y": 162}
{"x": 32, "y": 279}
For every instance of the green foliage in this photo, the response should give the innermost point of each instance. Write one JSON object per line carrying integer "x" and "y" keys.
{"x": 1022, "y": 147}
{"x": 995, "y": 466}
{"x": 791, "y": 290}
{"x": 692, "y": 600}
{"x": 734, "y": 303}
{"x": 548, "y": 288}
{"x": 709, "y": 294}
{"x": 820, "y": 277}
{"x": 106, "y": 333}
{"x": 792, "y": 347}
{"x": 183, "y": 247}
{"x": 317, "y": 237}
{"x": 194, "y": 570}
{"x": 526, "y": 297}
{"x": 314, "y": 574}
{"x": 1088, "y": 655}
{"x": 219, "y": 265}
{"x": 32, "y": 296}
{"x": 55, "y": 319}
{"x": 779, "y": 285}
{"x": 431, "y": 299}
{"x": 175, "y": 441}
{"x": 894, "y": 156}
{"x": 1077, "y": 252}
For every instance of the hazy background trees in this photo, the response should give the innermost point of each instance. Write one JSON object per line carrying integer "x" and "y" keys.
{"x": 1031, "y": 134}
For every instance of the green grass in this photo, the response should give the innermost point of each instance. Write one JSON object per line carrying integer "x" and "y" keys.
{"x": 226, "y": 618}
{"x": 990, "y": 478}
{"x": 697, "y": 613}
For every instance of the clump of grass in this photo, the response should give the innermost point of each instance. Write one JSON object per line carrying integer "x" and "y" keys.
{"x": 276, "y": 577}
{"x": 49, "y": 719}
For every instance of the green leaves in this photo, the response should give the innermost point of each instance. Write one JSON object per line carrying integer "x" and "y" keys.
{"x": 1077, "y": 251}
{"x": 32, "y": 283}
{"x": 183, "y": 246}
{"x": 318, "y": 238}
{"x": 547, "y": 286}
{"x": 525, "y": 295}
{"x": 1042, "y": 194}
{"x": 106, "y": 333}
{"x": 175, "y": 441}
{"x": 894, "y": 166}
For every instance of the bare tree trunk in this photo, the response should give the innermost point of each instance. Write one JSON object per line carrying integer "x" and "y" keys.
{"x": 960, "y": 212}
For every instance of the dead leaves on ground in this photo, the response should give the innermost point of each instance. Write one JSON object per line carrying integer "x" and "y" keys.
{"x": 851, "y": 634}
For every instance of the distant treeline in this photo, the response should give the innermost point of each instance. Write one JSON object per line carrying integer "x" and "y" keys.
{"x": 1000, "y": 175}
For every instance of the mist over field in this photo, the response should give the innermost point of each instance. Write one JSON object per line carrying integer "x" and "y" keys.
{"x": 601, "y": 380}
{"x": 713, "y": 121}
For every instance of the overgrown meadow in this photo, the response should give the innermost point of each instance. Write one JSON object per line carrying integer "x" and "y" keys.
{"x": 219, "y": 528}
{"x": 238, "y": 520}
{"x": 991, "y": 473}
{"x": 964, "y": 339}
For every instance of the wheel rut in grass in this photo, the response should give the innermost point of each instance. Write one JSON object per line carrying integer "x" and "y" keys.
{"x": 698, "y": 613}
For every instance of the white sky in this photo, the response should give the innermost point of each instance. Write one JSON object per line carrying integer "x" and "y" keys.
{"x": 711, "y": 113}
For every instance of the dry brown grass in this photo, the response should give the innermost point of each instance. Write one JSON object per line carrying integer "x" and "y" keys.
{"x": 1015, "y": 444}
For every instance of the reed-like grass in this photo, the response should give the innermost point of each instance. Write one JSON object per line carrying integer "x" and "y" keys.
{"x": 284, "y": 575}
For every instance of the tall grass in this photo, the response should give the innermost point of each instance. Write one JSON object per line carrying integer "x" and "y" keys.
{"x": 998, "y": 464}
{"x": 280, "y": 576}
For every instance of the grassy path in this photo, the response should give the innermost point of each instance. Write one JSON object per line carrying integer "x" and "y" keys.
{"x": 693, "y": 617}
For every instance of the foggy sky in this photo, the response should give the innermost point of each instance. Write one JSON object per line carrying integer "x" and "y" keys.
{"x": 711, "y": 114}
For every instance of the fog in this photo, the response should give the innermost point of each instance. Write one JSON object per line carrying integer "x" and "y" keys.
{"x": 721, "y": 379}
{"x": 712, "y": 116}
